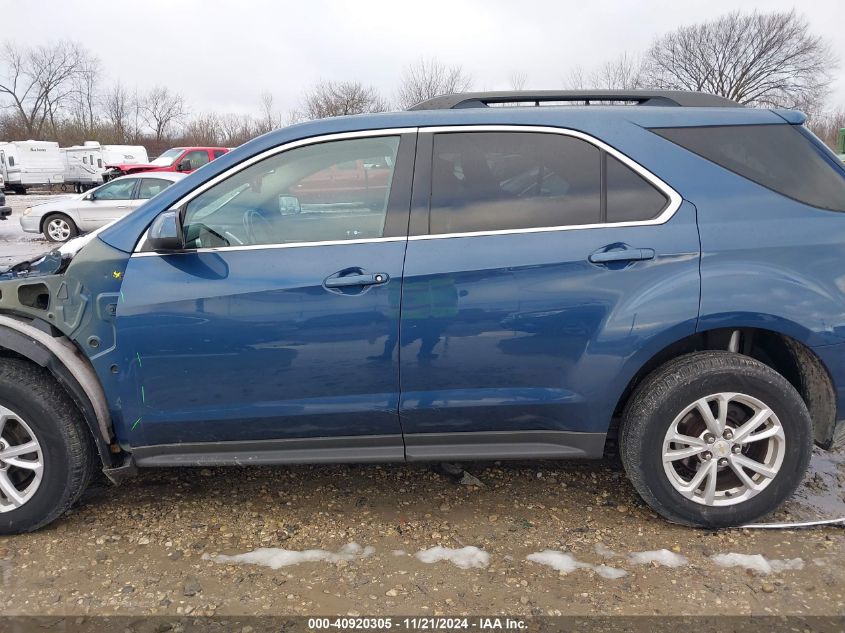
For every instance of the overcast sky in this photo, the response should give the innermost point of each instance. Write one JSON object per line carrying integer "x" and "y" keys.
{"x": 222, "y": 54}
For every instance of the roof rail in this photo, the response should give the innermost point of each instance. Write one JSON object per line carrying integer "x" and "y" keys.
{"x": 673, "y": 98}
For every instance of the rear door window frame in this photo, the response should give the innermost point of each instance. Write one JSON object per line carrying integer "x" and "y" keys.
{"x": 421, "y": 199}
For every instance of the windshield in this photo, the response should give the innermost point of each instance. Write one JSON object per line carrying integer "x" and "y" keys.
{"x": 166, "y": 159}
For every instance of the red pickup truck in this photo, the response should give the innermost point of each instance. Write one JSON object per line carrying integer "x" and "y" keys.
{"x": 180, "y": 159}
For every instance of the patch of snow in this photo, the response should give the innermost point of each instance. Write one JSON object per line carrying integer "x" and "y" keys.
{"x": 562, "y": 561}
{"x": 756, "y": 562}
{"x": 604, "y": 551}
{"x": 276, "y": 558}
{"x": 787, "y": 564}
{"x": 611, "y": 573}
{"x": 465, "y": 557}
{"x": 661, "y": 557}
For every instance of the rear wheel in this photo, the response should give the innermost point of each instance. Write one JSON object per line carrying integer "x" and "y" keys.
{"x": 715, "y": 439}
{"x": 59, "y": 228}
{"x": 46, "y": 453}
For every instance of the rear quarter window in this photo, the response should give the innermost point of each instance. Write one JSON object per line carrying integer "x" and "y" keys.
{"x": 778, "y": 157}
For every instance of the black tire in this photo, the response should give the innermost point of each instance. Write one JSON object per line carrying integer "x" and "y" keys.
{"x": 665, "y": 393}
{"x": 66, "y": 444}
{"x": 72, "y": 230}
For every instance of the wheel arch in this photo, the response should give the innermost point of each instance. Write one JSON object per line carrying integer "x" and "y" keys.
{"x": 47, "y": 214}
{"x": 794, "y": 360}
{"x": 71, "y": 370}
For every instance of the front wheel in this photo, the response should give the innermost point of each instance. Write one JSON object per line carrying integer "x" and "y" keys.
{"x": 715, "y": 439}
{"x": 59, "y": 228}
{"x": 46, "y": 453}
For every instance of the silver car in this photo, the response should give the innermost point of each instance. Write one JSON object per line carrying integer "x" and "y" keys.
{"x": 60, "y": 220}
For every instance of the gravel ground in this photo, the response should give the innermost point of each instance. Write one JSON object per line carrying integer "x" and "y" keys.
{"x": 153, "y": 545}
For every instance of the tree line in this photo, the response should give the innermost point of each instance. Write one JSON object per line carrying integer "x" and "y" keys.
{"x": 58, "y": 91}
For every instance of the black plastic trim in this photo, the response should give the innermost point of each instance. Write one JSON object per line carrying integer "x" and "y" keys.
{"x": 313, "y": 450}
{"x": 672, "y": 98}
{"x": 377, "y": 448}
{"x": 504, "y": 445}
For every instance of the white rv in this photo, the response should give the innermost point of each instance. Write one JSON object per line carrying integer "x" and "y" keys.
{"x": 84, "y": 165}
{"x": 125, "y": 155}
{"x": 25, "y": 164}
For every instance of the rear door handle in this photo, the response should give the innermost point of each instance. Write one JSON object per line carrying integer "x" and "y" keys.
{"x": 622, "y": 255}
{"x": 356, "y": 280}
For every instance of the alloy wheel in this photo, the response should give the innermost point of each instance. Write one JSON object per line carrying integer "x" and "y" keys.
{"x": 58, "y": 229}
{"x": 21, "y": 461}
{"x": 723, "y": 449}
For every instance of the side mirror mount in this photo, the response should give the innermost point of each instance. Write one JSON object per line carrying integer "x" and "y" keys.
{"x": 185, "y": 165}
{"x": 90, "y": 196}
{"x": 165, "y": 233}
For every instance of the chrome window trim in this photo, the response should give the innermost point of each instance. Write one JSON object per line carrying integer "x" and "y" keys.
{"x": 311, "y": 140}
{"x": 675, "y": 199}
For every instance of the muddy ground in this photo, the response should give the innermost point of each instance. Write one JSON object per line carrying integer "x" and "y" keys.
{"x": 150, "y": 546}
{"x": 153, "y": 545}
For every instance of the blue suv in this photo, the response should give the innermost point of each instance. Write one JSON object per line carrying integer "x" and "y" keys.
{"x": 654, "y": 273}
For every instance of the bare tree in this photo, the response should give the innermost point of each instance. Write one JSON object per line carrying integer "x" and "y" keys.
{"x": 329, "y": 98}
{"x": 428, "y": 78}
{"x": 827, "y": 125}
{"x": 85, "y": 98}
{"x": 236, "y": 129}
{"x": 517, "y": 79}
{"x": 622, "y": 73}
{"x": 117, "y": 110}
{"x": 204, "y": 129}
{"x": 269, "y": 119}
{"x": 37, "y": 81}
{"x": 763, "y": 59}
{"x": 162, "y": 109}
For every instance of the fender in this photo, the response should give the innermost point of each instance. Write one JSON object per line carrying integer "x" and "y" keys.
{"x": 71, "y": 369}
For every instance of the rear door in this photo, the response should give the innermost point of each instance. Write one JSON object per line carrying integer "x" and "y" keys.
{"x": 540, "y": 261}
{"x": 279, "y": 321}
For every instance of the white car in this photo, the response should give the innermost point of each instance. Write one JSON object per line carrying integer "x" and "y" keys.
{"x": 60, "y": 220}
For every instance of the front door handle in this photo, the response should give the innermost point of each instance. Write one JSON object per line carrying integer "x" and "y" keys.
{"x": 622, "y": 255}
{"x": 356, "y": 280}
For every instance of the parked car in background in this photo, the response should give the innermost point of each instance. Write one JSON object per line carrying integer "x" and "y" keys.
{"x": 60, "y": 220}
{"x": 84, "y": 165}
{"x": 661, "y": 279}
{"x": 179, "y": 159}
{"x": 26, "y": 164}
{"x": 5, "y": 210}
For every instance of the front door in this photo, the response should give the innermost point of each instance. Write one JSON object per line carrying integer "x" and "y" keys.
{"x": 542, "y": 266}
{"x": 106, "y": 203}
{"x": 280, "y": 320}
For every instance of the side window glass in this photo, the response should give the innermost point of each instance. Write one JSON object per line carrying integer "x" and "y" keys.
{"x": 218, "y": 153}
{"x": 84, "y": 160}
{"x": 11, "y": 161}
{"x": 299, "y": 196}
{"x": 777, "y": 156}
{"x": 116, "y": 190}
{"x": 150, "y": 187}
{"x": 488, "y": 181}
{"x": 198, "y": 158}
{"x": 630, "y": 198}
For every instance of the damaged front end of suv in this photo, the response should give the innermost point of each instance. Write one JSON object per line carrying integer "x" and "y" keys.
{"x": 58, "y": 311}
